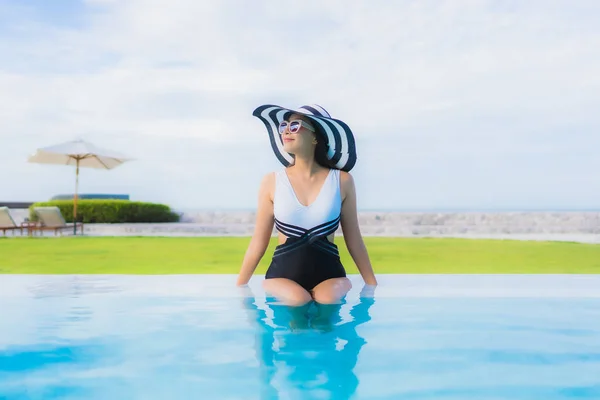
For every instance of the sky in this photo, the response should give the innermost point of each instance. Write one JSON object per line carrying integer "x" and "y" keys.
{"x": 454, "y": 104}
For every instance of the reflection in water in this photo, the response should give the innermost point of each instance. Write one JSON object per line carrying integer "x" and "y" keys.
{"x": 313, "y": 351}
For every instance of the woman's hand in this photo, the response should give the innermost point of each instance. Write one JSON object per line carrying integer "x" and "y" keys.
{"x": 241, "y": 282}
{"x": 368, "y": 291}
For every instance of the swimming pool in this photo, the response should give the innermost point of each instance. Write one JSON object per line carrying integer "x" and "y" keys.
{"x": 183, "y": 337}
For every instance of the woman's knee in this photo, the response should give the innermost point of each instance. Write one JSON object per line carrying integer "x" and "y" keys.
{"x": 298, "y": 300}
{"x": 331, "y": 292}
{"x": 328, "y": 297}
{"x": 290, "y": 293}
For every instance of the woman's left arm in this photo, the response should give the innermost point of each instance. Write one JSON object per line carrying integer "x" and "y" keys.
{"x": 351, "y": 230}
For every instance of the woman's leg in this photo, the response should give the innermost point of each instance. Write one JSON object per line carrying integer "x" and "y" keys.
{"x": 287, "y": 291}
{"x": 331, "y": 291}
{"x": 329, "y": 296}
{"x": 292, "y": 295}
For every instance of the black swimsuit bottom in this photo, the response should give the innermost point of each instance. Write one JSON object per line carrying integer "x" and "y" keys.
{"x": 306, "y": 262}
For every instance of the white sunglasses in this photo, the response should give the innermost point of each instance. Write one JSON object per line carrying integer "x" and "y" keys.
{"x": 294, "y": 126}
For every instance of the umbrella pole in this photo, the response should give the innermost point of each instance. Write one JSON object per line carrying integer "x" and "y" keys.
{"x": 75, "y": 199}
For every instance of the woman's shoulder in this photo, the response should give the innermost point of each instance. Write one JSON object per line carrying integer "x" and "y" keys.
{"x": 345, "y": 177}
{"x": 267, "y": 184}
{"x": 346, "y": 183}
{"x": 268, "y": 178}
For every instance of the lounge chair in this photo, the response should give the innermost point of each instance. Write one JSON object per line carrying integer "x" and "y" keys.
{"x": 7, "y": 223}
{"x": 51, "y": 219}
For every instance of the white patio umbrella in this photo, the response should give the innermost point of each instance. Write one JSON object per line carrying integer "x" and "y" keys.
{"x": 78, "y": 153}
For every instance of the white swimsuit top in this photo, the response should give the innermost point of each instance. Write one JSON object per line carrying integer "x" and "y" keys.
{"x": 319, "y": 219}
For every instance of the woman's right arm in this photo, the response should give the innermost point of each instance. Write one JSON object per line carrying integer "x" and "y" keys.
{"x": 263, "y": 230}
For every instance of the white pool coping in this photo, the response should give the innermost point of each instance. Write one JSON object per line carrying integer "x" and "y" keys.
{"x": 223, "y": 286}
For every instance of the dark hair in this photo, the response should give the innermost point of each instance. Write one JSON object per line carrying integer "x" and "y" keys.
{"x": 321, "y": 148}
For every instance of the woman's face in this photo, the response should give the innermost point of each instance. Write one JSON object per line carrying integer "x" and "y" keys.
{"x": 298, "y": 138}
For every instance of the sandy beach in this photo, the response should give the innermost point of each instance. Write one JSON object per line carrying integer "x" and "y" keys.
{"x": 563, "y": 226}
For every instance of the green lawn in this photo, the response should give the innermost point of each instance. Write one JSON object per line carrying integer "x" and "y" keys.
{"x": 223, "y": 255}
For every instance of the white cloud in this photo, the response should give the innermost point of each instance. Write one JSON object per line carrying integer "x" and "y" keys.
{"x": 510, "y": 86}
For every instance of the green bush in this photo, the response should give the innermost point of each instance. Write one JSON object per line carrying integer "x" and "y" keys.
{"x": 110, "y": 211}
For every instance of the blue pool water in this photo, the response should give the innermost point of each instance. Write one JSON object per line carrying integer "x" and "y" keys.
{"x": 184, "y": 337}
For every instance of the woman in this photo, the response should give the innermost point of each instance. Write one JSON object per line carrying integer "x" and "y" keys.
{"x": 307, "y": 201}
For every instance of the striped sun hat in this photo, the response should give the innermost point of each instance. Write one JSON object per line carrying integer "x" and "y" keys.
{"x": 341, "y": 149}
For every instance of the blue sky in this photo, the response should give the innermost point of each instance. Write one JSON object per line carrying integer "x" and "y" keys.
{"x": 469, "y": 105}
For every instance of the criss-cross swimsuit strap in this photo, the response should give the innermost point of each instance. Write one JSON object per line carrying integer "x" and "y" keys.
{"x": 308, "y": 237}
